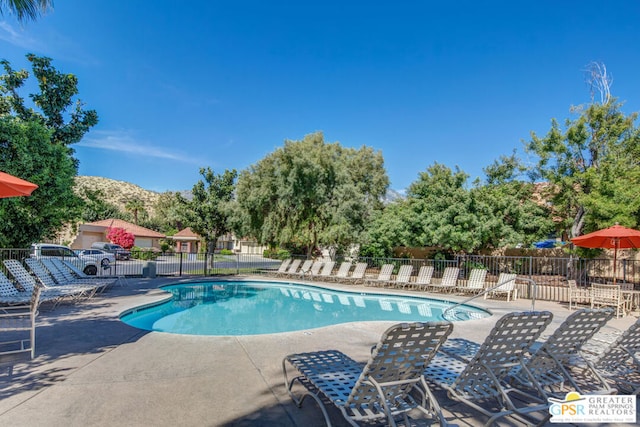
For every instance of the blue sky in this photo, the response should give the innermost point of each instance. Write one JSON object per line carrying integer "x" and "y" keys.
{"x": 182, "y": 85}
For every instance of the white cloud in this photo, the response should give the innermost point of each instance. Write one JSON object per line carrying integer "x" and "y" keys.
{"x": 123, "y": 142}
{"x": 17, "y": 38}
{"x": 57, "y": 45}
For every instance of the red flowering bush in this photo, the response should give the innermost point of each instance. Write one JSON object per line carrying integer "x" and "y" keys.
{"x": 121, "y": 237}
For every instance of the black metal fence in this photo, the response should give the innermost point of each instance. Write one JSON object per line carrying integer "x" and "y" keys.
{"x": 544, "y": 270}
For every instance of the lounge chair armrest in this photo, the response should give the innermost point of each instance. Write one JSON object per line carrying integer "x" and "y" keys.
{"x": 15, "y": 310}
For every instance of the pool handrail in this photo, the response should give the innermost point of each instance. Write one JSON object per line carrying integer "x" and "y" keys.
{"x": 471, "y": 298}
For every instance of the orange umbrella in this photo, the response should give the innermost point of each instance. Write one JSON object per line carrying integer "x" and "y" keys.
{"x": 615, "y": 237}
{"x": 11, "y": 186}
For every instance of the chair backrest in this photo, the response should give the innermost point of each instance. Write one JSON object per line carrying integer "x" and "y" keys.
{"x": 40, "y": 271}
{"x": 293, "y": 267}
{"x": 306, "y": 266}
{"x": 568, "y": 339}
{"x": 21, "y": 275}
{"x": 6, "y": 287}
{"x": 605, "y": 294}
{"x": 450, "y": 276}
{"x": 404, "y": 273}
{"x": 358, "y": 272}
{"x": 327, "y": 268}
{"x": 285, "y": 264}
{"x": 507, "y": 282}
{"x": 398, "y": 360}
{"x": 385, "y": 272}
{"x": 477, "y": 277}
{"x": 75, "y": 270}
{"x": 512, "y": 335}
{"x": 62, "y": 268}
{"x": 315, "y": 267}
{"x": 424, "y": 275}
{"x": 623, "y": 348}
{"x": 58, "y": 275}
{"x": 343, "y": 270}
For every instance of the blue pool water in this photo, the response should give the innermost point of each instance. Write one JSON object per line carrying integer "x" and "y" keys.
{"x": 252, "y": 308}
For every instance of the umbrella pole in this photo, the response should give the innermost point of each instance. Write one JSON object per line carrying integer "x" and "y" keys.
{"x": 615, "y": 258}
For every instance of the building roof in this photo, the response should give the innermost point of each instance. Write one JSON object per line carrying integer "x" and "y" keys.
{"x": 136, "y": 230}
{"x": 185, "y": 234}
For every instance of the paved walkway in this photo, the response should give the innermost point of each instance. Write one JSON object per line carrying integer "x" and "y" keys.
{"x": 92, "y": 369}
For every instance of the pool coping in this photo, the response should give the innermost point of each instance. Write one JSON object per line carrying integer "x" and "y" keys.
{"x": 318, "y": 286}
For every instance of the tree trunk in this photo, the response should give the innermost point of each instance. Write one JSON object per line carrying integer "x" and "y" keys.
{"x": 578, "y": 222}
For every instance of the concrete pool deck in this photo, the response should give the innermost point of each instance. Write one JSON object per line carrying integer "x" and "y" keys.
{"x": 92, "y": 369}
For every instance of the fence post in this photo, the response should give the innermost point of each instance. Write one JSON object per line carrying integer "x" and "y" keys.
{"x": 237, "y": 263}
{"x": 180, "y": 267}
{"x": 530, "y": 278}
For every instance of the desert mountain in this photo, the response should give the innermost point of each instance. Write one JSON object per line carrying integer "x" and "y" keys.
{"x": 117, "y": 192}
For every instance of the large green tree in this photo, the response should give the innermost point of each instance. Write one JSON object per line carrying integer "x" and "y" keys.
{"x": 508, "y": 209}
{"x": 593, "y": 166}
{"x": 25, "y": 9}
{"x": 310, "y": 193}
{"x": 440, "y": 211}
{"x": 26, "y": 151}
{"x": 35, "y": 141}
{"x": 207, "y": 213}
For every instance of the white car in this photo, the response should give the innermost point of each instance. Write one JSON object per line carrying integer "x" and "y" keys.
{"x": 99, "y": 256}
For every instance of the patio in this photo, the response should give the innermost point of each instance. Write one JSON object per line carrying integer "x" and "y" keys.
{"x": 92, "y": 369}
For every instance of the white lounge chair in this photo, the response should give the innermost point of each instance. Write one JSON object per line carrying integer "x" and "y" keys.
{"x": 475, "y": 283}
{"x": 293, "y": 268}
{"x": 482, "y": 382}
{"x": 315, "y": 268}
{"x": 619, "y": 361}
{"x": 10, "y": 295}
{"x": 48, "y": 280}
{"x": 305, "y": 268}
{"x": 423, "y": 281}
{"x": 327, "y": 268}
{"x": 383, "y": 276}
{"x": 552, "y": 364}
{"x": 506, "y": 286}
{"x": 449, "y": 280}
{"x": 403, "y": 278}
{"x": 343, "y": 271}
{"x": 28, "y": 283}
{"x": 68, "y": 274}
{"x": 379, "y": 391}
{"x": 283, "y": 267}
{"x": 358, "y": 274}
{"x": 81, "y": 274}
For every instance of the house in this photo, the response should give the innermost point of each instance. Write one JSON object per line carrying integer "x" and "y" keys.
{"x": 188, "y": 241}
{"x": 92, "y": 232}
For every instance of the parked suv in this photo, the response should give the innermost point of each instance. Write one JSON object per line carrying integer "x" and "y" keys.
{"x": 49, "y": 250}
{"x": 120, "y": 252}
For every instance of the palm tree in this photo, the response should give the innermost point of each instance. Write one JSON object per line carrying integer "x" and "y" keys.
{"x": 135, "y": 206}
{"x": 25, "y": 9}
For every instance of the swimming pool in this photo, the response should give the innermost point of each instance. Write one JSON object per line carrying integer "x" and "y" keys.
{"x": 257, "y": 307}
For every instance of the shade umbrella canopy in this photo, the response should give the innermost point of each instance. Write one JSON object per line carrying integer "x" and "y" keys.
{"x": 12, "y": 186}
{"x": 615, "y": 237}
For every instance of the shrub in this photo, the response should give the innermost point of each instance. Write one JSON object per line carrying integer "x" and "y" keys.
{"x": 226, "y": 252}
{"x": 143, "y": 253}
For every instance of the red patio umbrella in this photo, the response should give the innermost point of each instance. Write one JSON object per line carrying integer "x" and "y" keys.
{"x": 615, "y": 237}
{"x": 12, "y": 186}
